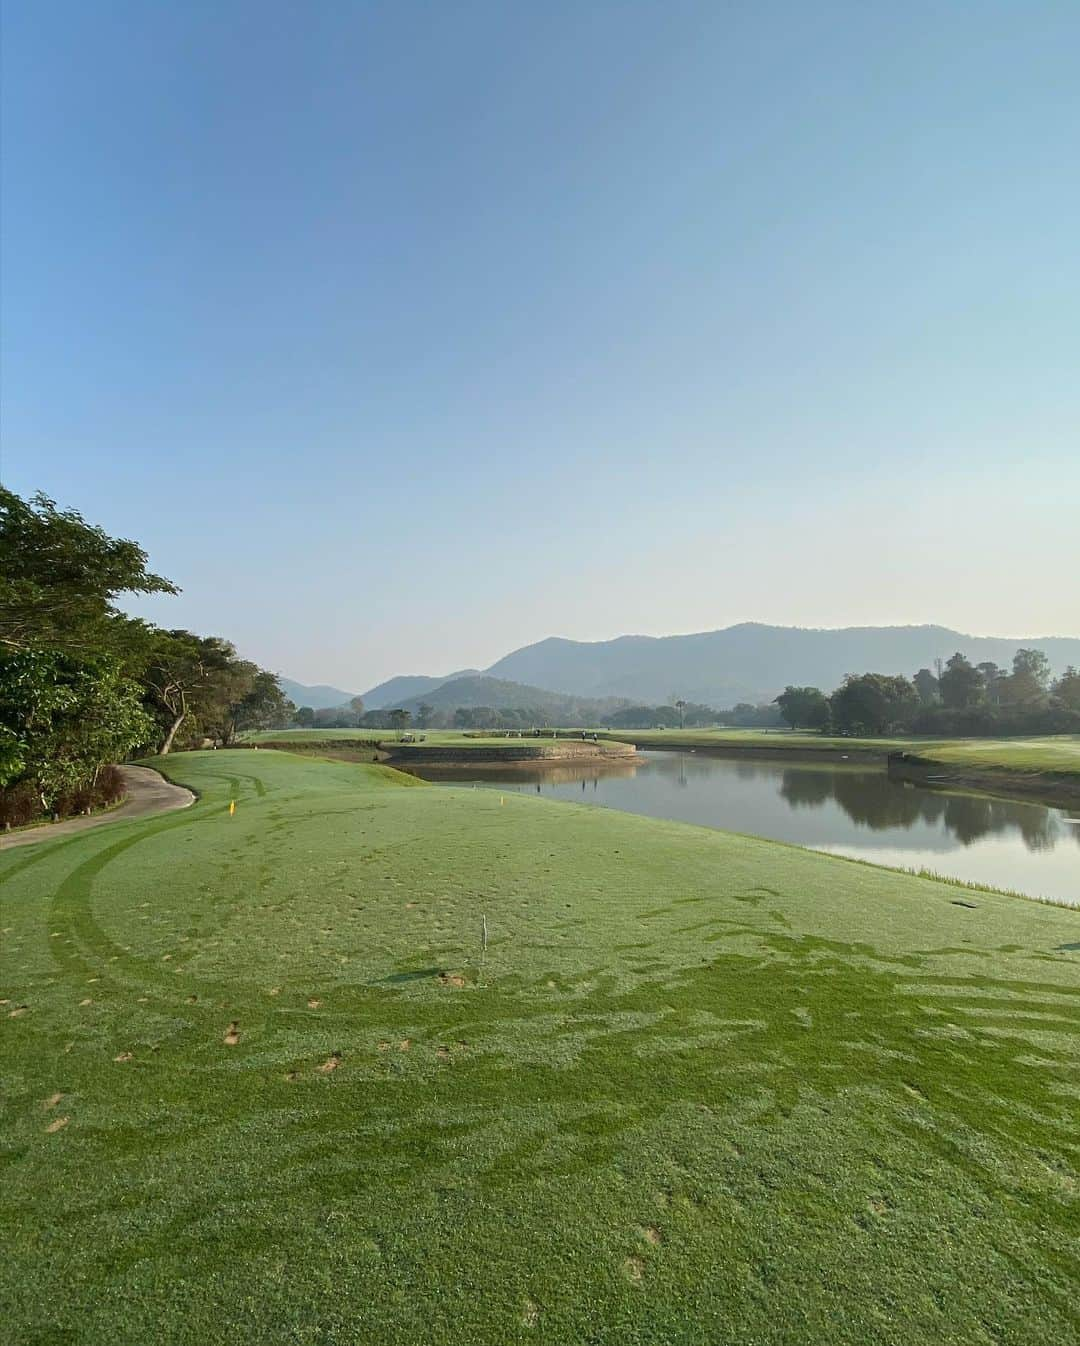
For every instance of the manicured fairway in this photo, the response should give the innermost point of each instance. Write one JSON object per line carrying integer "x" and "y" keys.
{"x": 261, "y": 1086}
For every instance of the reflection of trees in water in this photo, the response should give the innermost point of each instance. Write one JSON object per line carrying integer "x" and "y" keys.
{"x": 875, "y": 801}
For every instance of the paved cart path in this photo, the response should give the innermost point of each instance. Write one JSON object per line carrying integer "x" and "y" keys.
{"x": 147, "y": 793}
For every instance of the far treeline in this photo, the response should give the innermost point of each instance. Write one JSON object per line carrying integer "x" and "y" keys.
{"x": 557, "y": 713}
{"x": 961, "y": 698}
{"x": 83, "y": 685}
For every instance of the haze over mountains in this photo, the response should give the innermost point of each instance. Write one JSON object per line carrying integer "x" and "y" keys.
{"x": 749, "y": 662}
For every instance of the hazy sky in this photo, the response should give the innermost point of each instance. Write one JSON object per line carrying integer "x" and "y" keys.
{"x": 404, "y": 334}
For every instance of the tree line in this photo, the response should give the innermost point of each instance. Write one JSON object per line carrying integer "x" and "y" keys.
{"x": 82, "y": 684}
{"x": 957, "y": 698}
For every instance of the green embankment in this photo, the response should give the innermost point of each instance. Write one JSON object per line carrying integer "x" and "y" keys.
{"x": 1052, "y": 754}
{"x": 262, "y": 1086}
{"x": 1057, "y": 754}
{"x": 432, "y": 738}
{"x": 775, "y": 740}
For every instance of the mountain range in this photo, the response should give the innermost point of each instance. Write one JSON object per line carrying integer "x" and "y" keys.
{"x": 502, "y": 694}
{"x": 753, "y": 662}
{"x": 749, "y": 662}
{"x": 318, "y": 697}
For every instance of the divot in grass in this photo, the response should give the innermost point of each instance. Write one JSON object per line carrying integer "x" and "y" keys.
{"x": 58, "y": 1125}
{"x": 634, "y": 1269}
{"x": 232, "y": 1034}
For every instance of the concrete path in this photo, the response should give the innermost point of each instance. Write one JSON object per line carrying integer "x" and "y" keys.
{"x": 147, "y": 793}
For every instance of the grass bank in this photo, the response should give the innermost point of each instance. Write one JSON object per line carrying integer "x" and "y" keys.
{"x": 443, "y": 747}
{"x": 1047, "y": 767}
{"x": 263, "y": 1086}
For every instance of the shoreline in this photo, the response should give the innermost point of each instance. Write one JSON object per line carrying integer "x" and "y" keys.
{"x": 524, "y": 754}
{"x": 1056, "y": 791}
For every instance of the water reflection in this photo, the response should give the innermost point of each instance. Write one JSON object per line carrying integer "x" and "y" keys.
{"x": 873, "y": 800}
{"x": 845, "y": 808}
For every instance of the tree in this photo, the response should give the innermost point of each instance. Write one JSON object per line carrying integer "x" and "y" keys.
{"x": 961, "y": 684}
{"x": 265, "y": 706}
{"x": 1028, "y": 683}
{"x": 680, "y": 706}
{"x": 991, "y": 676}
{"x": 927, "y": 686}
{"x": 357, "y": 704}
{"x": 424, "y": 712}
{"x": 399, "y": 719}
{"x": 304, "y": 717}
{"x": 803, "y": 706}
{"x": 194, "y": 679}
{"x": 62, "y": 718}
{"x": 872, "y": 703}
{"x": 1033, "y": 664}
{"x": 226, "y": 695}
{"x": 59, "y": 576}
{"x": 1066, "y": 691}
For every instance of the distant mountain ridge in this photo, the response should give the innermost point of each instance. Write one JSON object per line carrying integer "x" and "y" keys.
{"x": 501, "y": 694}
{"x": 748, "y": 662}
{"x": 319, "y": 697}
{"x": 396, "y": 691}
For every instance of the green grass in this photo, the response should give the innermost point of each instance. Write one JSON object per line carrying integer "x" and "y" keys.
{"x": 1058, "y": 753}
{"x": 778, "y": 739}
{"x": 425, "y": 738}
{"x": 703, "y": 1088}
{"x": 432, "y": 737}
{"x": 316, "y": 735}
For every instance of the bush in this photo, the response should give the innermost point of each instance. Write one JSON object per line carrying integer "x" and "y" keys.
{"x": 21, "y": 803}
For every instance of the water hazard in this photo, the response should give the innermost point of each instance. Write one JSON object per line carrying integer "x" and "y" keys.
{"x": 845, "y": 809}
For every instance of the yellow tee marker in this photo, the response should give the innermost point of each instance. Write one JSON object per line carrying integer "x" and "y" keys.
{"x": 232, "y": 807}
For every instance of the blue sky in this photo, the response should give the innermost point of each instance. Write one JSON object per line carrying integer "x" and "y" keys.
{"x": 404, "y": 334}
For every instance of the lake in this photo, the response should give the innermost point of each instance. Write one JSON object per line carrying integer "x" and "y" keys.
{"x": 844, "y": 809}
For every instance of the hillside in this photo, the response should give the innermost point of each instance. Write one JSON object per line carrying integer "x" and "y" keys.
{"x": 752, "y": 662}
{"x": 501, "y": 694}
{"x": 397, "y": 691}
{"x": 749, "y": 662}
{"x": 319, "y": 697}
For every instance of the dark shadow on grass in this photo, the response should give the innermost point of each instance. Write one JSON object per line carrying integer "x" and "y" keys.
{"x": 417, "y": 974}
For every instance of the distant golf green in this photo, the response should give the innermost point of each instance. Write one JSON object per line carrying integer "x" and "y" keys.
{"x": 263, "y": 1082}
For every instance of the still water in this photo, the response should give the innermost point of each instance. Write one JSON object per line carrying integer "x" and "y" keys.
{"x": 847, "y": 810}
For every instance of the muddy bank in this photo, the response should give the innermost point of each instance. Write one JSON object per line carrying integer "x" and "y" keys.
{"x": 1060, "y": 789}
{"x": 862, "y": 756}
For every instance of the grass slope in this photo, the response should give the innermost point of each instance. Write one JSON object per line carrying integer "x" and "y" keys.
{"x": 1056, "y": 753}
{"x": 704, "y": 1088}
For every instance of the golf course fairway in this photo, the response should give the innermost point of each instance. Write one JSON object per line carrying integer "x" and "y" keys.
{"x": 262, "y": 1083}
